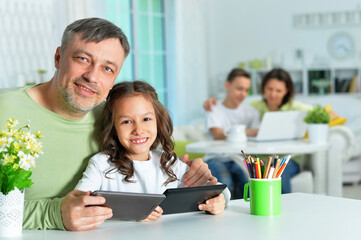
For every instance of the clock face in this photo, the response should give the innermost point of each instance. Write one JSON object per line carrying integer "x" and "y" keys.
{"x": 341, "y": 46}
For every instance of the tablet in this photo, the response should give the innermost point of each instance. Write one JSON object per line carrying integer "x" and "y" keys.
{"x": 130, "y": 206}
{"x": 179, "y": 200}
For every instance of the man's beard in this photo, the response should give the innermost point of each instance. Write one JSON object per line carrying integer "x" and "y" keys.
{"x": 68, "y": 100}
{"x": 71, "y": 103}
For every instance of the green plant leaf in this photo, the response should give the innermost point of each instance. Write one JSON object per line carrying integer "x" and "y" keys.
{"x": 22, "y": 181}
{"x": 317, "y": 115}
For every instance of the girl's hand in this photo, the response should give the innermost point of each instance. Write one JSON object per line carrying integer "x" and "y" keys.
{"x": 214, "y": 206}
{"x": 157, "y": 213}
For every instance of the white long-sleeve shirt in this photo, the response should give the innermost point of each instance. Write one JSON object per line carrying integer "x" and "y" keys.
{"x": 148, "y": 176}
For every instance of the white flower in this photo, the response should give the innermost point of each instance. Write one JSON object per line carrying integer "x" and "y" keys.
{"x": 8, "y": 141}
{"x": 3, "y": 148}
{"x": 26, "y": 161}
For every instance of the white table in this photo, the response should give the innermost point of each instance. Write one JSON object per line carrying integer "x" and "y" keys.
{"x": 324, "y": 183}
{"x": 304, "y": 216}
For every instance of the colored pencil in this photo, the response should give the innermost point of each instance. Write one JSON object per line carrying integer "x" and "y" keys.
{"x": 254, "y": 170}
{"x": 249, "y": 169}
{"x": 244, "y": 161}
{"x": 268, "y": 165}
{"x": 262, "y": 168}
{"x": 276, "y": 168}
{"x": 283, "y": 161}
{"x": 256, "y": 165}
{"x": 271, "y": 171}
{"x": 258, "y": 168}
{"x": 280, "y": 171}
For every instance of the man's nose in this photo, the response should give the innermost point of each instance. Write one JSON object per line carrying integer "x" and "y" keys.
{"x": 91, "y": 74}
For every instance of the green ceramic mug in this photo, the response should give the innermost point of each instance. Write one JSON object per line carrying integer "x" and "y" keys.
{"x": 265, "y": 196}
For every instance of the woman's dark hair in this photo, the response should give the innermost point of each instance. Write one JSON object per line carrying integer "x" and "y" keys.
{"x": 282, "y": 76}
{"x": 237, "y": 72}
{"x": 109, "y": 142}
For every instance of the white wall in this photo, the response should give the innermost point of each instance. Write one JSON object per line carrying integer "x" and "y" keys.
{"x": 246, "y": 30}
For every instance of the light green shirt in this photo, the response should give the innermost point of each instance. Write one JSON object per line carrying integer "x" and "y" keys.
{"x": 291, "y": 105}
{"x": 67, "y": 146}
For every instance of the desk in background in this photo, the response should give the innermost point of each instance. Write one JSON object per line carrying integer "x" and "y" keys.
{"x": 304, "y": 216}
{"x": 323, "y": 171}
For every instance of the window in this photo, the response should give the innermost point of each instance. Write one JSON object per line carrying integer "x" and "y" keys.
{"x": 143, "y": 23}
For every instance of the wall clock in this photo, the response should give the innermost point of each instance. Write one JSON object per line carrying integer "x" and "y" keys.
{"x": 341, "y": 46}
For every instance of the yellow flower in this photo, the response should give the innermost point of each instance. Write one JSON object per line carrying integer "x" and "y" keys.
{"x": 11, "y": 123}
{"x": 16, "y": 146}
{"x": 38, "y": 134}
{"x": 37, "y": 147}
{"x": 9, "y": 158}
{"x": 18, "y": 134}
{"x": 2, "y": 141}
{"x": 16, "y": 166}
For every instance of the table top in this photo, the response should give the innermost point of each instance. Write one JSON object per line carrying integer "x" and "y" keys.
{"x": 269, "y": 147}
{"x": 304, "y": 216}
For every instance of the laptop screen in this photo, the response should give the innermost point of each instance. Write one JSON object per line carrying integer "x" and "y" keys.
{"x": 281, "y": 125}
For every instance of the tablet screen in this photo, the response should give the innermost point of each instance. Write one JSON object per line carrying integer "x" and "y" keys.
{"x": 130, "y": 206}
{"x": 179, "y": 200}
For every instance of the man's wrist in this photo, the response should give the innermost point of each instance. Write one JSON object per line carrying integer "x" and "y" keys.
{"x": 58, "y": 219}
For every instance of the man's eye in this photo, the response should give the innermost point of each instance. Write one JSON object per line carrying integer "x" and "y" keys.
{"x": 108, "y": 69}
{"x": 82, "y": 59}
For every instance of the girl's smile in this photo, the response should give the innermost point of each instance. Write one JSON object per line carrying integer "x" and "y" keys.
{"x": 139, "y": 140}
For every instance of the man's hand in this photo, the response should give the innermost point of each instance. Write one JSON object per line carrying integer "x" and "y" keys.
{"x": 252, "y": 132}
{"x": 198, "y": 173}
{"x": 77, "y": 215}
{"x": 208, "y": 104}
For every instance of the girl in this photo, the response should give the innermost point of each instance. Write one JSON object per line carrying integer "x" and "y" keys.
{"x": 134, "y": 124}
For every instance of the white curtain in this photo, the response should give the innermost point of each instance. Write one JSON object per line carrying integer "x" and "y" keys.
{"x": 26, "y": 41}
{"x": 186, "y": 25}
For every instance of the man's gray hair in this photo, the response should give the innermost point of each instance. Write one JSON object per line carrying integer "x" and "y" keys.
{"x": 94, "y": 30}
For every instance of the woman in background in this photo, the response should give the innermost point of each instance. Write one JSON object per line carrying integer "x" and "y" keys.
{"x": 278, "y": 92}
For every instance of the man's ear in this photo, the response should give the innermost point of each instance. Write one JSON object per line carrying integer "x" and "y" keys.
{"x": 226, "y": 85}
{"x": 57, "y": 57}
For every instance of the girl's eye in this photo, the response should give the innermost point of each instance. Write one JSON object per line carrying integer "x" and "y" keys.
{"x": 126, "y": 122}
{"x": 147, "y": 119}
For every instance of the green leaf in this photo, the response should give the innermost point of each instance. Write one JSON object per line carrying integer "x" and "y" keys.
{"x": 22, "y": 181}
{"x": 317, "y": 115}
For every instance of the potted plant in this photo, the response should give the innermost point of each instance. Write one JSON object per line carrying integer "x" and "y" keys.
{"x": 317, "y": 121}
{"x": 19, "y": 148}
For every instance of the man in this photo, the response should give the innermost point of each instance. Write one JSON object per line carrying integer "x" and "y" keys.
{"x": 67, "y": 110}
{"x": 220, "y": 120}
{"x": 231, "y": 111}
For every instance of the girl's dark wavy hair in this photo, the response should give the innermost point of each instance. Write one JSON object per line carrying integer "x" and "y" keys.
{"x": 109, "y": 143}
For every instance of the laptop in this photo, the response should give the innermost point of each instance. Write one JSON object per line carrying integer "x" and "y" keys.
{"x": 281, "y": 125}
